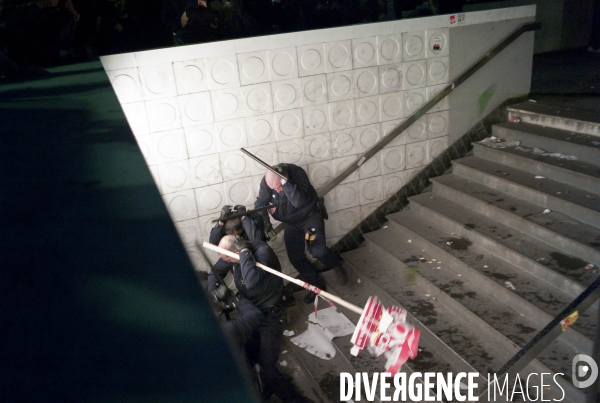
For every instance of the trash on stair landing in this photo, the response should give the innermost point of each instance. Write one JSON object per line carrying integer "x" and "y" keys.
{"x": 321, "y": 330}
{"x": 283, "y": 363}
{"x": 288, "y": 333}
{"x": 497, "y": 142}
{"x": 569, "y": 320}
{"x": 589, "y": 266}
{"x": 515, "y": 119}
{"x": 596, "y": 143}
{"x": 540, "y": 177}
{"x": 510, "y": 285}
{"x": 524, "y": 149}
{"x": 561, "y": 156}
{"x": 547, "y": 211}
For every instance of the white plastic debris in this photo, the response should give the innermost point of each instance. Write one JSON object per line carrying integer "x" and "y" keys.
{"x": 427, "y": 295}
{"x": 410, "y": 241}
{"x": 547, "y": 211}
{"x": 510, "y": 285}
{"x": 485, "y": 266}
{"x": 540, "y": 177}
{"x": 561, "y": 156}
{"x": 322, "y": 328}
{"x": 438, "y": 267}
{"x": 288, "y": 333}
{"x": 283, "y": 363}
{"x": 284, "y": 352}
{"x": 448, "y": 243}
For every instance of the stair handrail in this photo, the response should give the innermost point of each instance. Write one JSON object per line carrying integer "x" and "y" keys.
{"x": 546, "y": 336}
{"x": 530, "y": 26}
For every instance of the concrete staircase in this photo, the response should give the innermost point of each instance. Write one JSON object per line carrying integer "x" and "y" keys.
{"x": 487, "y": 258}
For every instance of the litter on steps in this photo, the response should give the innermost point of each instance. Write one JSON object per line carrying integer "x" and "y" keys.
{"x": 323, "y": 326}
{"x": 498, "y": 142}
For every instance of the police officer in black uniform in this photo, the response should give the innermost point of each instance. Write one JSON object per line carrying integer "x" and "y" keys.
{"x": 264, "y": 290}
{"x": 297, "y": 207}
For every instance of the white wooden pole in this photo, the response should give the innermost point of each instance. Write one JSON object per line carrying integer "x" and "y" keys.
{"x": 301, "y": 283}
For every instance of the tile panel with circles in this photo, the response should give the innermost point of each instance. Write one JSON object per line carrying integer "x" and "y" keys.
{"x": 206, "y": 170}
{"x": 436, "y": 146}
{"x": 319, "y": 173}
{"x": 319, "y": 105}
{"x": 345, "y": 196}
{"x": 126, "y": 84}
{"x": 181, "y": 205}
{"x": 175, "y": 176}
{"x": 364, "y": 52}
{"x": 438, "y": 124}
{"x": 371, "y": 167}
{"x": 158, "y": 81}
{"x": 190, "y": 76}
{"x": 317, "y": 148}
{"x": 371, "y": 190}
{"x": 393, "y": 182}
{"x": 416, "y": 154}
{"x": 253, "y": 67}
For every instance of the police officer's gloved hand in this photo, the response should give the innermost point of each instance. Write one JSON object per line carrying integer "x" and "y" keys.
{"x": 240, "y": 243}
{"x": 223, "y": 294}
{"x": 225, "y": 213}
{"x": 240, "y": 209}
{"x": 268, "y": 229}
{"x": 220, "y": 292}
{"x": 282, "y": 169}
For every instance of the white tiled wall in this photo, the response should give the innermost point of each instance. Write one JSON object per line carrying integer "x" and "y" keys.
{"x": 287, "y": 98}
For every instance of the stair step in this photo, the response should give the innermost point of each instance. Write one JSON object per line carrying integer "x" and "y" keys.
{"x": 556, "y": 229}
{"x": 571, "y": 119}
{"x": 365, "y": 269}
{"x": 582, "y": 146}
{"x": 546, "y": 193}
{"x": 562, "y": 271}
{"x": 583, "y": 175}
{"x": 475, "y": 315}
{"x": 531, "y": 297}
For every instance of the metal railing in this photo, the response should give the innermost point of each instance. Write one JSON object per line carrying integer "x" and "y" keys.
{"x": 546, "y": 336}
{"x": 532, "y": 26}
